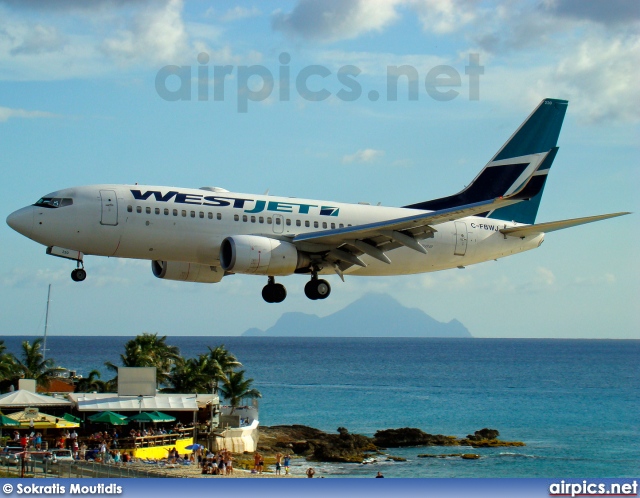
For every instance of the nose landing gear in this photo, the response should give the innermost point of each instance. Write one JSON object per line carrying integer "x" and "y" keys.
{"x": 79, "y": 274}
{"x": 274, "y": 293}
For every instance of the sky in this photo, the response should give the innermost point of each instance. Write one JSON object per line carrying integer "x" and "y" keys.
{"x": 298, "y": 98}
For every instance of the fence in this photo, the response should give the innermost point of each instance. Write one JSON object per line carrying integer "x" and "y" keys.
{"x": 34, "y": 468}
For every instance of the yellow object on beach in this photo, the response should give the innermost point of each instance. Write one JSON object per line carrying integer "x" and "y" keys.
{"x": 41, "y": 421}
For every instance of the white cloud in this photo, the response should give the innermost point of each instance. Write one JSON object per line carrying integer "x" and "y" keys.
{"x": 363, "y": 156}
{"x": 544, "y": 276}
{"x": 157, "y": 35}
{"x": 332, "y": 20}
{"x": 239, "y": 12}
{"x": 7, "y": 113}
{"x": 444, "y": 16}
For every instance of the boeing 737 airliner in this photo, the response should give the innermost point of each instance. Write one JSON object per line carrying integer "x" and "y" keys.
{"x": 203, "y": 235}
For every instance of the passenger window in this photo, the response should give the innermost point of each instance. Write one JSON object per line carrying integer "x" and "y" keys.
{"x": 349, "y": 225}
{"x": 298, "y": 223}
{"x": 201, "y": 214}
{"x": 193, "y": 214}
{"x": 166, "y": 211}
{"x": 157, "y": 210}
{"x": 288, "y": 222}
{"x": 184, "y": 213}
{"x": 269, "y": 220}
{"x": 341, "y": 225}
{"x": 306, "y": 223}
{"x": 244, "y": 218}
{"x": 219, "y": 216}
{"x": 129, "y": 209}
{"x": 253, "y": 219}
{"x": 324, "y": 224}
{"x": 210, "y": 216}
{"x": 261, "y": 219}
{"x": 315, "y": 224}
{"x": 278, "y": 221}
{"x": 148, "y": 210}
{"x": 236, "y": 217}
{"x": 333, "y": 225}
{"x": 138, "y": 209}
{"x": 175, "y": 212}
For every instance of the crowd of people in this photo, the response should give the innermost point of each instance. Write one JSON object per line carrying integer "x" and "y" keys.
{"x": 220, "y": 463}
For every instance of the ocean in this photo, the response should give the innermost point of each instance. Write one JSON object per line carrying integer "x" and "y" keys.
{"x": 575, "y": 403}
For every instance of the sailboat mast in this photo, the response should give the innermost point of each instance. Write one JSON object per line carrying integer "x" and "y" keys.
{"x": 46, "y": 326}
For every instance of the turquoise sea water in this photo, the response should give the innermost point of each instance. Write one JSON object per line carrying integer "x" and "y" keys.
{"x": 575, "y": 403}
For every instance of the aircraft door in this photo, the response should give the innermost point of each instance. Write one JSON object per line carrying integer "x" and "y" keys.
{"x": 109, "y": 207}
{"x": 461, "y": 238}
{"x": 278, "y": 223}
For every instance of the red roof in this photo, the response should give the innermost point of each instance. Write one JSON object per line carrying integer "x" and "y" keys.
{"x": 57, "y": 386}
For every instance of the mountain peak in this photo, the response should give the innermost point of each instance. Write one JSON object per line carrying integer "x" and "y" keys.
{"x": 373, "y": 315}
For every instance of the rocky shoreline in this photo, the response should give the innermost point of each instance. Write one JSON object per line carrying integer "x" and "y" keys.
{"x": 316, "y": 445}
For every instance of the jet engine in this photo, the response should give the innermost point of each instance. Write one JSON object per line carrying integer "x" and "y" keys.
{"x": 187, "y": 272}
{"x": 256, "y": 255}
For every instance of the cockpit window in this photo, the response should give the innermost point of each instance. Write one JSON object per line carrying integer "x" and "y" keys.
{"x": 54, "y": 202}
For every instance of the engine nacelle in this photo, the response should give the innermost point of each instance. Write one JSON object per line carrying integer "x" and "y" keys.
{"x": 255, "y": 255}
{"x": 186, "y": 272}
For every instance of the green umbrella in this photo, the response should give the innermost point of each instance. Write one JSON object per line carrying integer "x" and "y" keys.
{"x": 144, "y": 417}
{"x": 154, "y": 417}
{"x": 8, "y": 422}
{"x": 71, "y": 418}
{"x": 163, "y": 417}
{"x": 109, "y": 418}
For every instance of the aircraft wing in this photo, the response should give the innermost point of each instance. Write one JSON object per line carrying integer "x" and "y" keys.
{"x": 552, "y": 226}
{"x": 343, "y": 246}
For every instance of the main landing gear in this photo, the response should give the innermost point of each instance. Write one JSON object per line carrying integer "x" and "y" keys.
{"x": 315, "y": 289}
{"x": 274, "y": 293}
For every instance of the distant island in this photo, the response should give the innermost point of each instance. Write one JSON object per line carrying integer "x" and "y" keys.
{"x": 374, "y": 315}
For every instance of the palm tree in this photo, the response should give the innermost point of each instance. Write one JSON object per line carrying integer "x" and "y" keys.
{"x": 91, "y": 383}
{"x": 32, "y": 365}
{"x": 189, "y": 376}
{"x": 235, "y": 387}
{"x": 7, "y": 364}
{"x": 148, "y": 350}
{"x": 221, "y": 363}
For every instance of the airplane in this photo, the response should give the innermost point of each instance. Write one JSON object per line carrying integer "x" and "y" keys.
{"x": 205, "y": 234}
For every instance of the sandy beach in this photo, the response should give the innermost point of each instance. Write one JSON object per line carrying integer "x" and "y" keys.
{"x": 193, "y": 471}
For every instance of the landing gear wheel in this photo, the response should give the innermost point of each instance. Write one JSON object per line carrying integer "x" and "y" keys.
{"x": 267, "y": 293}
{"x": 323, "y": 289}
{"x": 274, "y": 293}
{"x": 310, "y": 290}
{"x": 317, "y": 289}
{"x": 78, "y": 275}
{"x": 279, "y": 292}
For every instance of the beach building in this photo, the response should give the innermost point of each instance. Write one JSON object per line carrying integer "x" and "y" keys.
{"x": 185, "y": 412}
{"x": 124, "y": 419}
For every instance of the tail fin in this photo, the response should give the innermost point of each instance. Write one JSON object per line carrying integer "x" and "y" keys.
{"x": 530, "y": 151}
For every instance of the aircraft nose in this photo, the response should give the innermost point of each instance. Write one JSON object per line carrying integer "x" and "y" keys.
{"x": 22, "y": 221}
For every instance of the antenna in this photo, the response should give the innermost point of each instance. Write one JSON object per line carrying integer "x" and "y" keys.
{"x": 46, "y": 325}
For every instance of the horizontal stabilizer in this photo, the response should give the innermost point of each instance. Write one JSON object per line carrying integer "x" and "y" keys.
{"x": 552, "y": 226}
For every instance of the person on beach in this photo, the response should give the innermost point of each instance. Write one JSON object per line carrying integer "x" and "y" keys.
{"x": 229, "y": 463}
{"x": 256, "y": 461}
{"x": 287, "y": 463}
{"x": 278, "y": 464}
{"x": 379, "y": 475}
{"x": 310, "y": 472}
